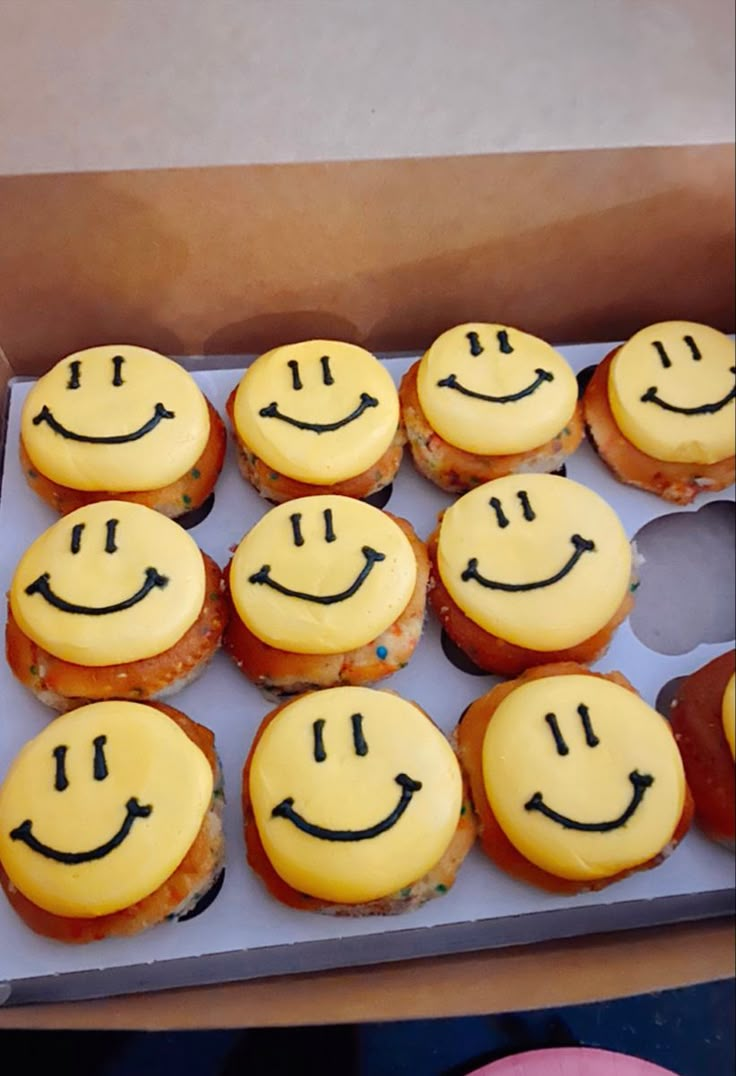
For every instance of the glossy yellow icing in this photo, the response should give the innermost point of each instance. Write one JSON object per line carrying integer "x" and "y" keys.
{"x": 729, "y": 714}
{"x": 151, "y": 553}
{"x": 588, "y": 783}
{"x": 105, "y": 404}
{"x": 351, "y": 380}
{"x": 330, "y": 552}
{"x": 512, "y": 550}
{"x": 692, "y": 367}
{"x": 81, "y": 806}
{"x": 356, "y": 792}
{"x": 509, "y": 363}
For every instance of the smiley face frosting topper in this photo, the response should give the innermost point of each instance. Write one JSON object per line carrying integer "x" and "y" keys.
{"x": 111, "y": 583}
{"x": 100, "y": 808}
{"x": 538, "y": 560}
{"x": 115, "y": 418}
{"x": 355, "y": 794}
{"x": 319, "y": 411}
{"x": 321, "y": 575}
{"x": 494, "y": 390}
{"x": 672, "y": 391}
{"x": 583, "y": 777}
{"x": 728, "y": 713}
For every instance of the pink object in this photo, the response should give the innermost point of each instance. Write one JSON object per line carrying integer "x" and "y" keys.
{"x": 571, "y": 1061}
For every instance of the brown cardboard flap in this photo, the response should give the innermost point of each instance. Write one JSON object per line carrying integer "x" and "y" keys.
{"x": 269, "y": 81}
{"x": 574, "y": 246}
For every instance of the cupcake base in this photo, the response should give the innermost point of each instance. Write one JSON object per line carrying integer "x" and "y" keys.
{"x": 177, "y": 499}
{"x": 457, "y": 471}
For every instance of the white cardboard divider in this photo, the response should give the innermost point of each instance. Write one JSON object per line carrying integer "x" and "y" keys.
{"x": 245, "y": 933}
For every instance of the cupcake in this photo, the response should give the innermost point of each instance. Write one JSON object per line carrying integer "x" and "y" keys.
{"x": 325, "y": 591}
{"x": 110, "y": 822}
{"x": 354, "y": 805}
{"x": 575, "y": 781}
{"x": 487, "y": 401}
{"x": 317, "y": 417}
{"x": 528, "y": 570}
{"x": 660, "y": 410}
{"x": 702, "y": 717}
{"x": 114, "y": 601}
{"x": 120, "y": 423}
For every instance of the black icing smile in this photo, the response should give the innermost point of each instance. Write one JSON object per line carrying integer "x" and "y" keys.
{"x": 582, "y": 545}
{"x": 43, "y": 587}
{"x": 640, "y": 781}
{"x": 451, "y": 382}
{"x": 366, "y": 401}
{"x": 650, "y": 396}
{"x": 285, "y": 809}
{"x": 133, "y": 810}
{"x": 372, "y": 557}
{"x": 159, "y": 413}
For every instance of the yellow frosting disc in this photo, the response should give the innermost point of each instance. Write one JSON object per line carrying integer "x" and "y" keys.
{"x": 495, "y": 390}
{"x": 322, "y": 575}
{"x": 583, "y": 777}
{"x": 355, "y": 794}
{"x": 115, "y": 418}
{"x": 101, "y": 807}
{"x": 672, "y": 388}
{"x": 111, "y": 583}
{"x": 537, "y": 560}
{"x": 319, "y": 411}
{"x": 729, "y": 712}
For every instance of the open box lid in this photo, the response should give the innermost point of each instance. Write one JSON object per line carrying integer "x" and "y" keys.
{"x": 220, "y": 178}
{"x": 122, "y": 85}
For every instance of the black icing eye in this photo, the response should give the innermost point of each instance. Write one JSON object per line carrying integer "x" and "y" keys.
{"x": 590, "y": 737}
{"x": 529, "y": 513}
{"x": 319, "y": 745}
{"x": 663, "y": 356}
{"x": 110, "y": 529}
{"x": 296, "y": 381}
{"x": 75, "y": 369}
{"x": 498, "y": 509}
{"x": 296, "y": 528}
{"x": 476, "y": 348}
{"x": 76, "y": 543}
{"x": 562, "y": 748}
{"x": 695, "y": 350}
{"x": 327, "y": 377}
{"x": 117, "y": 366}
{"x": 330, "y": 535}
{"x": 503, "y": 342}
{"x": 99, "y": 768}
{"x": 60, "y": 780}
{"x": 359, "y": 742}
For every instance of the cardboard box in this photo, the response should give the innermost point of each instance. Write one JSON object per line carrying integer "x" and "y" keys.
{"x": 223, "y": 181}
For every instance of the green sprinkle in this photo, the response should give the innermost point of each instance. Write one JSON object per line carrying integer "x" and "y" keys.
{"x": 214, "y": 597}
{"x": 463, "y": 810}
{"x": 566, "y": 431}
{"x": 634, "y": 587}
{"x": 406, "y": 892}
{"x": 34, "y": 670}
{"x": 196, "y": 473}
{"x": 441, "y": 888}
{"x": 273, "y": 477}
{"x": 33, "y": 474}
{"x": 186, "y": 499}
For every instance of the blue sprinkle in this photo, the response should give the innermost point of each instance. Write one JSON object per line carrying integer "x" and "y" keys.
{"x": 382, "y": 652}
